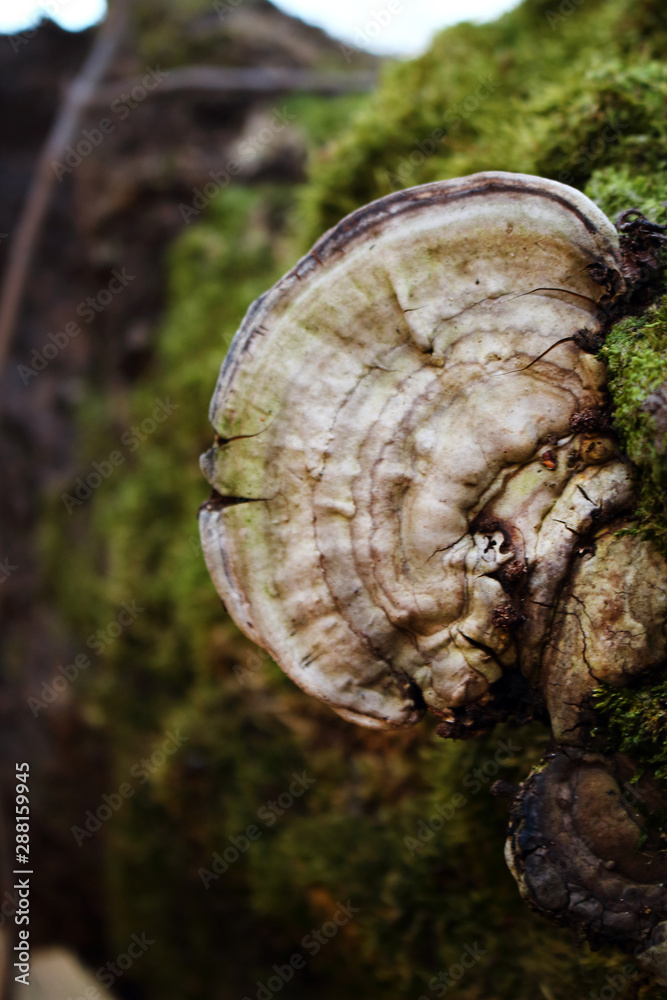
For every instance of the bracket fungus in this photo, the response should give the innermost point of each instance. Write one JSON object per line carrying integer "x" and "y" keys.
{"x": 417, "y": 498}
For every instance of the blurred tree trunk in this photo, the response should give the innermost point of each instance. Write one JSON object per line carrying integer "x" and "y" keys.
{"x": 63, "y": 130}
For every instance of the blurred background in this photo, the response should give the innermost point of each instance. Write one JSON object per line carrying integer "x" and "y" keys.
{"x": 199, "y": 827}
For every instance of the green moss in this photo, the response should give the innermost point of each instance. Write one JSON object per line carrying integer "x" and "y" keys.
{"x": 636, "y": 358}
{"x": 562, "y": 98}
{"x": 530, "y": 92}
{"x": 618, "y": 188}
{"x": 633, "y": 721}
{"x": 392, "y": 822}
{"x": 217, "y": 269}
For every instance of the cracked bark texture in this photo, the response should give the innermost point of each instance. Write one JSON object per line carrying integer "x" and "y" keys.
{"x": 417, "y": 494}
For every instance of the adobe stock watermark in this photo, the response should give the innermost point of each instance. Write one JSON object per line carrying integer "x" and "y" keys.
{"x": 109, "y": 973}
{"x": 97, "y": 641}
{"x": 120, "y": 107}
{"x": 565, "y": 9}
{"x": 580, "y": 161}
{"x": 452, "y": 120}
{"x": 194, "y": 541}
{"x": 47, "y": 8}
{"x": 137, "y": 946}
{"x": 365, "y": 34}
{"x": 618, "y": 981}
{"x": 142, "y": 770}
{"x": 615, "y": 983}
{"x": 474, "y": 780}
{"x": 248, "y": 149}
{"x": 6, "y": 570}
{"x": 87, "y": 310}
{"x": 268, "y": 814}
{"x": 253, "y": 663}
{"x": 440, "y": 983}
{"x": 312, "y": 943}
{"x": 224, "y": 8}
{"x": 8, "y": 907}
{"x": 104, "y": 469}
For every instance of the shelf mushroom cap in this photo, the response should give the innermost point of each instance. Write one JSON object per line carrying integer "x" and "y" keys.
{"x": 395, "y": 454}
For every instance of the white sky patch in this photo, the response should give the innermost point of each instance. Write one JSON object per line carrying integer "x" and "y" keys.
{"x": 392, "y": 27}
{"x": 386, "y": 27}
{"x": 74, "y": 15}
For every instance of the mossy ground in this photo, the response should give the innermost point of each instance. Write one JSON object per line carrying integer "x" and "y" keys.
{"x": 634, "y": 722}
{"x": 580, "y": 98}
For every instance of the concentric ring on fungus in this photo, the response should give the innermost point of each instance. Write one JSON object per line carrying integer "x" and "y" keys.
{"x": 375, "y": 403}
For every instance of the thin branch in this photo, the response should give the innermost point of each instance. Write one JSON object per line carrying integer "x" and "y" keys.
{"x": 255, "y": 80}
{"x": 26, "y": 236}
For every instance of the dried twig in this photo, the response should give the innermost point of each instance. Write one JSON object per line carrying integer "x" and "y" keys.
{"x": 252, "y": 79}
